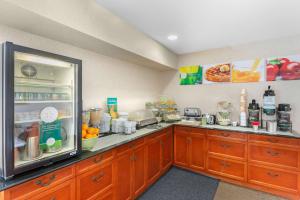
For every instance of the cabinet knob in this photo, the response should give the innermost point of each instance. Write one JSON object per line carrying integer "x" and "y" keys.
{"x": 225, "y": 134}
{"x": 53, "y": 198}
{"x": 98, "y": 159}
{"x": 98, "y": 177}
{"x": 273, "y": 153}
{"x": 273, "y": 174}
{"x": 42, "y": 184}
{"x": 272, "y": 140}
{"x": 225, "y": 145}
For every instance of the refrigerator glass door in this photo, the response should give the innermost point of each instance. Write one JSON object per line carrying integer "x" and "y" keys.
{"x": 44, "y": 108}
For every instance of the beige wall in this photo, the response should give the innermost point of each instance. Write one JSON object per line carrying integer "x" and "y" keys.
{"x": 102, "y": 76}
{"x": 207, "y": 96}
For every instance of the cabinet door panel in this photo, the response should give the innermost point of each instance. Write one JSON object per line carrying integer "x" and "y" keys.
{"x": 123, "y": 176}
{"x": 139, "y": 170}
{"x": 274, "y": 178}
{"x": 94, "y": 182}
{"x": 197, "y": 151}
{"x": 285, "y": 157}
{"x": 167, "y": 149}
{"x": 154, "y": 159}
{"x": 233, "y": 149}
{"x": 64, "y": 191}
{"x": 181, "y": 149}
{"x": 227, "y": 168}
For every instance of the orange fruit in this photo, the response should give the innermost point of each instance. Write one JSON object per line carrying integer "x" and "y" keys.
{"x": 88, "y": 136}
{"x": 83, "y": 133}
{"x": 85, "y": 126}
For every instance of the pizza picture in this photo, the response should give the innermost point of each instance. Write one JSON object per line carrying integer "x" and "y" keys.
{"x": 217, "y": 73}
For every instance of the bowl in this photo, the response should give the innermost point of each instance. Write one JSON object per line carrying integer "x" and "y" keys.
{"x": 88, "y": 144}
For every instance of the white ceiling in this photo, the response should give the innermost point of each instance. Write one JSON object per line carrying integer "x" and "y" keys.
{"x": 207, "y": 24}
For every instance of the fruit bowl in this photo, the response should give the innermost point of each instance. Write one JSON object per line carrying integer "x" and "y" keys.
{"x": 88, "y": 144}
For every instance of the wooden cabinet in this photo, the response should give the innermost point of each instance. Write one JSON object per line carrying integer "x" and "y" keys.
{"x": 123, "y": 176}
{"x": 268, "y": 163}
{"x": 274, "y": 178}
{"x": 64, "y": 191}
{"x": 197, "y": 151}
{"x": 225, "y": 147}
{"x": 274, "y": 155}
{"x": 95, "y": 182}
{"x": 228, "y": 168}
{"x": 167, "y": 149}
{"x": 189, "y": 148}
{"x": 41, "y": 184}
{"x": 130, "y": 170}
{"x": 181, "y": 149}
{"x": 139, "y": 170}
{"x": 90, "y": 163}
{"x": 154, "y": 159}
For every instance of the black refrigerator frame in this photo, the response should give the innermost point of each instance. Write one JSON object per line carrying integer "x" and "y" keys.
{"x": 7, "y": 169}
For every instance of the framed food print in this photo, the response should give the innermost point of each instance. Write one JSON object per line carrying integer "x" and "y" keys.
{"x": 190, "y": 75}
{"x": 283, "y": 68}
{"x": 248, "y": 71}
{"x": 217, "y": 73}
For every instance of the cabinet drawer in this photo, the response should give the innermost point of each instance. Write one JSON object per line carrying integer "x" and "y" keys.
{"x": 279, "y": 156}
{"x": 228, "y": 134}
{"x": 64, "y": 191}
{"x": 273, "y": 178}
{"x": 185, "y": 129}
{"x": 43, "y": 183}
{"x": 94, "y": 182}
{"x": 232, "y": 149}
{"x": 227, "y": 168}
{"x": 274, "y": 140}
{"x": 131, "y": 145}
{"x": 94, "y": 161}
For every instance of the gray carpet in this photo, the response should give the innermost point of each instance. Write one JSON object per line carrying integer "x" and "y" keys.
{"x": 178, "y": 184}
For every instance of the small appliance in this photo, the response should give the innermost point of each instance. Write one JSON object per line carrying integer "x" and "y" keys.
{"x": 142, "y": 118}
{"x": 224, "y": 113}
{"x": 192, "y": 113}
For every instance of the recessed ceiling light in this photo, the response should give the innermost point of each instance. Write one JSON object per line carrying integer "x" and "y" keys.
{"x": 172, "y": 37}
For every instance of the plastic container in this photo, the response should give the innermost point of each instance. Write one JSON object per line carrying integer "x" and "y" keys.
{"x": 255, "y": 125}
{"x": 253, "y": 112}
{"x": 284, "y": 117}
{"x": 88, "y": 144}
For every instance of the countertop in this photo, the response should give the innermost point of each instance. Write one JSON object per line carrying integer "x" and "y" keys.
{"x": 112, "y": 141}
{"x": 195, "y": 124}
{"x": 104, "y": 144}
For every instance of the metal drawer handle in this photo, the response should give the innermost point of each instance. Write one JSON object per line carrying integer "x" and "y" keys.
{"x": 133, "y": 157}
{"x": 272, "y": 174}
{"x": 224, "y": 164}
{"x": 225, "y": 145}
{"x": 98, "y": 159}
{"x": 98, "y": 178}
{"x": 225, "y": 134}
{"x": 273, "y": 153}
{"x": 272, "y": 140}
{"x": 51, "y": 179}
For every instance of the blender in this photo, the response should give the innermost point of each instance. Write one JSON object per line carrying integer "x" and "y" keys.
{"x": 224, "y": 113}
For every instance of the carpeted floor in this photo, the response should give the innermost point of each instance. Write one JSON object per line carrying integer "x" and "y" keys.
{"x": 179, "y": 184}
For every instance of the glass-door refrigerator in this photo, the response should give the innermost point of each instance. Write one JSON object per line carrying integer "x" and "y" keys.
{"x": 40, "y": 109}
